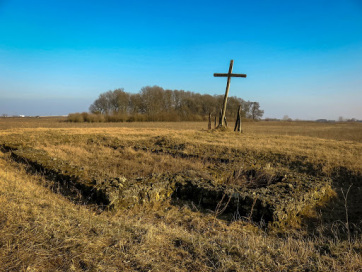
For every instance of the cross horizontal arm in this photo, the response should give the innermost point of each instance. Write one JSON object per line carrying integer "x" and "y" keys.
{"x": 227, "y": 75}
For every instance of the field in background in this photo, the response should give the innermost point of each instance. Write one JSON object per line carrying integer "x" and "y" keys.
{"x": 336, "y": 131}
{"x": 38, "y": 218}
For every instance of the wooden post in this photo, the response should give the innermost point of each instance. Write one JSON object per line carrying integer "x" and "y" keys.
{"x": 220, "y": 118}
{"x": 239, "y": 116}
{"x": 209, "y": 126}
{"x": 238, "y": 121}
{"x": 215, "y": 122}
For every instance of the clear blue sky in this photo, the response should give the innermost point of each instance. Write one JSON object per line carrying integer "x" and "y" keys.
{"x": 302, "y": 58}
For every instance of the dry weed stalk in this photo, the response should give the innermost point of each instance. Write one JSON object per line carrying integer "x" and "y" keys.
{"x": 345, "y": 197}
{"x": 220, "y": 207}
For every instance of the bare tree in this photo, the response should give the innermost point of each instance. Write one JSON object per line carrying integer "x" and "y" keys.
{"x": 101, "y": 105}
{"x": 287, "y": 118}
{"x": 255, "y": 112}
{"x": 341, "y": 119}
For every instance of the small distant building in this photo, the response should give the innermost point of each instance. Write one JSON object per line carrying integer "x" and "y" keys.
{"x": 21, "y": 115}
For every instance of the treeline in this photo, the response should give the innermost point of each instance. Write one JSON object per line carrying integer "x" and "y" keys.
{"x": 153, "y": 103}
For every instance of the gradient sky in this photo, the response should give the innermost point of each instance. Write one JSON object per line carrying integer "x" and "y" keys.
{"x": 303, "y": 58}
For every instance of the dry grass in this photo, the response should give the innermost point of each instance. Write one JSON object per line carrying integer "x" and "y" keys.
{"x": 41, "y": 230}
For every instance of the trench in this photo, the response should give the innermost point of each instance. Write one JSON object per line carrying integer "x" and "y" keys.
{"x": 228, "y": 205}
{"x": 208, "y": 198}
{"x": 266, "y": 203}
{"x": 67, "y": 185}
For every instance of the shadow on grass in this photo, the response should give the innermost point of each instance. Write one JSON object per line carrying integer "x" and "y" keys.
{"x": 341, "y": 217}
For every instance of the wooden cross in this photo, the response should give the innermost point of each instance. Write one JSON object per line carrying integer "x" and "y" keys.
{"x": 229, "y": 75}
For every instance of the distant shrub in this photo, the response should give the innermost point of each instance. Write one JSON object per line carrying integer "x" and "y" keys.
{"x": 115, "y": 118}
{"x": 75, "y": 117}
{"x": 138, "y": 117}
{"x": 85, "y": 117}
{"x": 93, "y": 118}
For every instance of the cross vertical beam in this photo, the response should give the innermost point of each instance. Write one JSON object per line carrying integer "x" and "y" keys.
{"x": 226, "y": 93}
{"x": 228, "y": 75}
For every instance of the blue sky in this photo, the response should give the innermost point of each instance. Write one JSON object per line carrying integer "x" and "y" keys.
{"x": 303, "y": 58}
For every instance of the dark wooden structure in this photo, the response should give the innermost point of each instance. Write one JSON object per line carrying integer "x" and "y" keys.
{"x": 209, "y": 125}
{"x": 238, "y": 121}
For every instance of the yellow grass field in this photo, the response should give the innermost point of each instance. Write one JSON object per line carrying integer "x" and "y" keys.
{"x": 139, "y": 196}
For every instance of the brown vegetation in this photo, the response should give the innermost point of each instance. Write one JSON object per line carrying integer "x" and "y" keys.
{"x": 44, "y": 227}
